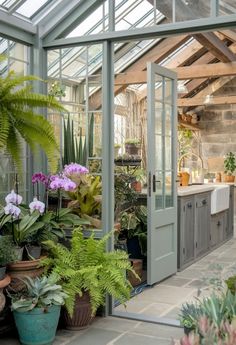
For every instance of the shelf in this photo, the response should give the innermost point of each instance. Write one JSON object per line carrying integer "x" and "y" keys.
{"x": 188, "y": 125}
{"x": 134, "y": 163}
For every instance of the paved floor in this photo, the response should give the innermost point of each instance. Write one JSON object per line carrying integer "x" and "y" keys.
{"x": 164, "y": 299}
{"x": 114, "y": 331}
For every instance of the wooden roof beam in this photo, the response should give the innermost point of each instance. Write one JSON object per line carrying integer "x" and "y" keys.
{"x": 195, "y": 101}
{"x": 188, "y": 72}
{"x": 215, "y": 46}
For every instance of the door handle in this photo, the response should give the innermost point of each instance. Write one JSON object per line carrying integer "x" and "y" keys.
{"x": 190, "y": 205}
{"x": 154, "y": 182}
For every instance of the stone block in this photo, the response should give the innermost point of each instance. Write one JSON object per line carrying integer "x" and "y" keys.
{"x": 227, "y": 115}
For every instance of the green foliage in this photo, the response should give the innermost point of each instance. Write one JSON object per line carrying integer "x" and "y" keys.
{"x": 40, "y": 292}
{"x": 230, "y": 163}
{"x": 35, "y": 228}
{"x": 133, "y": 141}
{"x": 134, "y": 220}
{"x": 7, "y": 253}
{"x": 231, "y": 284}
{"x": 217, "y": 308}
{"x": 86, "y": 266}
{"x": 185, "y": 137}
{"x": 75, "y": 150}
{"x": 19, "y": 119}
{"x": 86, "y": 199}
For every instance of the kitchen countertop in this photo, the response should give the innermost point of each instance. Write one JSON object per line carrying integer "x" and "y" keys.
{"x": 195, "y": 189}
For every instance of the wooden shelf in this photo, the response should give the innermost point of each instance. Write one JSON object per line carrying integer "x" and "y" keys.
{"x": 188, "y": 125}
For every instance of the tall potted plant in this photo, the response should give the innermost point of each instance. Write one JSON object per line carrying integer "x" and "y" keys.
{"x": 87, "y": 272}
{"x": 230, "y": 167}
{"x": 19, "y": 119}
{"x": 36, "y": 310}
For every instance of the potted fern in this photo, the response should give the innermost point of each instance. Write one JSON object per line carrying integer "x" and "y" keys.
{"x": 87, "y": 273}
{"x": 36, "y": 310}
{"x": 19, "y": 119}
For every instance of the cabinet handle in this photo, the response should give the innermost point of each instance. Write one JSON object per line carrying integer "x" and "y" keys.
{"x": 204, "y": 202}
{"x": 190, "y": 205}
{"x": 218, "y": 223}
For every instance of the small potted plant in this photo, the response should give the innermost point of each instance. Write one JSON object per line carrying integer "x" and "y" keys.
{"x": 132, "y": 146}
{"x": 139, "y": 178}
{"x": 230, "y": 167}
{"x": 87, "y": 272}
{"x": 36, "y": 310}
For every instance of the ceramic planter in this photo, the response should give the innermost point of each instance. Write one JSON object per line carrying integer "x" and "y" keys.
{"x": 19, "y": 253}
{"x": 34, "y": 252}
{"x": 132, "y": 149}
{"x": 38, "y": 326}
{"x": 82, "y": 315}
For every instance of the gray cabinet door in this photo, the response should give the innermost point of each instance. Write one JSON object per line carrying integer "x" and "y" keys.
{"x": 217, "y": 229}
{"x": 202, "y": 223}
{"x": 185, "y": 231}
{"x": 230, "y": 230}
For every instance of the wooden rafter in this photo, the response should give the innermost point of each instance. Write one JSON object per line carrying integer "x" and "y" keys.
{"x": 155, "y": 54}
{"x": 189, "y": 72}
{"x": 231, "y": 35}
{"x": 215, "y": 46}
{"x": 195, "y": 101}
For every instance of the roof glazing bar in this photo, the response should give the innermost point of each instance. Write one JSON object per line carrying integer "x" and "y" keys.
{"x": 15, "y": 6}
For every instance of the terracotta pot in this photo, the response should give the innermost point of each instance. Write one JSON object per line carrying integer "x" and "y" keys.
{"x": 3, "y": 283}
{"x": 20, "y": 269}
{"x": 185, "y": 178}
{"x": 229, "y": 178}
{"x": 137, "y": 186}
{"x": 82, "y": 315}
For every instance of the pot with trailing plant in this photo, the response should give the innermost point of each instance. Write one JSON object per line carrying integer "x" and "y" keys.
{"x": 230, "y": 167}
{"x": 132, "y": 146}
{"x": 36, "y": 310}
{"x": 139, "y": 179}
{"x": 87, "y": 273}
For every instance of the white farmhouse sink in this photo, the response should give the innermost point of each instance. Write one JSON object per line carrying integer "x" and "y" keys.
{"x": 219, "y": 198}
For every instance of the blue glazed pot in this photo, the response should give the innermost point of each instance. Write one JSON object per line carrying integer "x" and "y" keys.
{"x": 37, "y": 327}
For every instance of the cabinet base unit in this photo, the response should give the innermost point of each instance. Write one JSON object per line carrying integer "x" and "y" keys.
{"x": 199, "y": 232}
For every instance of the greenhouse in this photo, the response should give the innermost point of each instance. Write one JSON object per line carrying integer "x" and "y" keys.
{"x": 117, "y": 172}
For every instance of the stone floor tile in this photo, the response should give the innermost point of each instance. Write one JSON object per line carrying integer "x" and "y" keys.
{"x": 114, "y": 324}
{"x": 161, "y": 331}
{"x": 156, "y": 309}
{"x": 94, "y": 336}
{"x": 172, "y": 313}
{"x": 135, "y": 339}
{"x": 176, "y": 281}
{"x": 134, "y": 305}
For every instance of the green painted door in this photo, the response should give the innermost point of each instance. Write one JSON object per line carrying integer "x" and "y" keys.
{"x": 162, "y": 187}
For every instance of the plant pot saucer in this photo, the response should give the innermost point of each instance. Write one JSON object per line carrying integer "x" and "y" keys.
{"x": 5, "y": 282}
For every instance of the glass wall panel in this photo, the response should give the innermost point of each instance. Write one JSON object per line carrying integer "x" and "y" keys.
{"x": 75, "y": 77}
{"x": 227, "y": 7}
{"x": 17, "y": 60}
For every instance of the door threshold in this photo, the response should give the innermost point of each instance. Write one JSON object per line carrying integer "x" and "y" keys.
{"x": 145, "y": 318}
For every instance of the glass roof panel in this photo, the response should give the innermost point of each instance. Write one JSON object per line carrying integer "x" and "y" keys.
{"x": 29, "y": 7}
{"x": 8, "y": 3}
